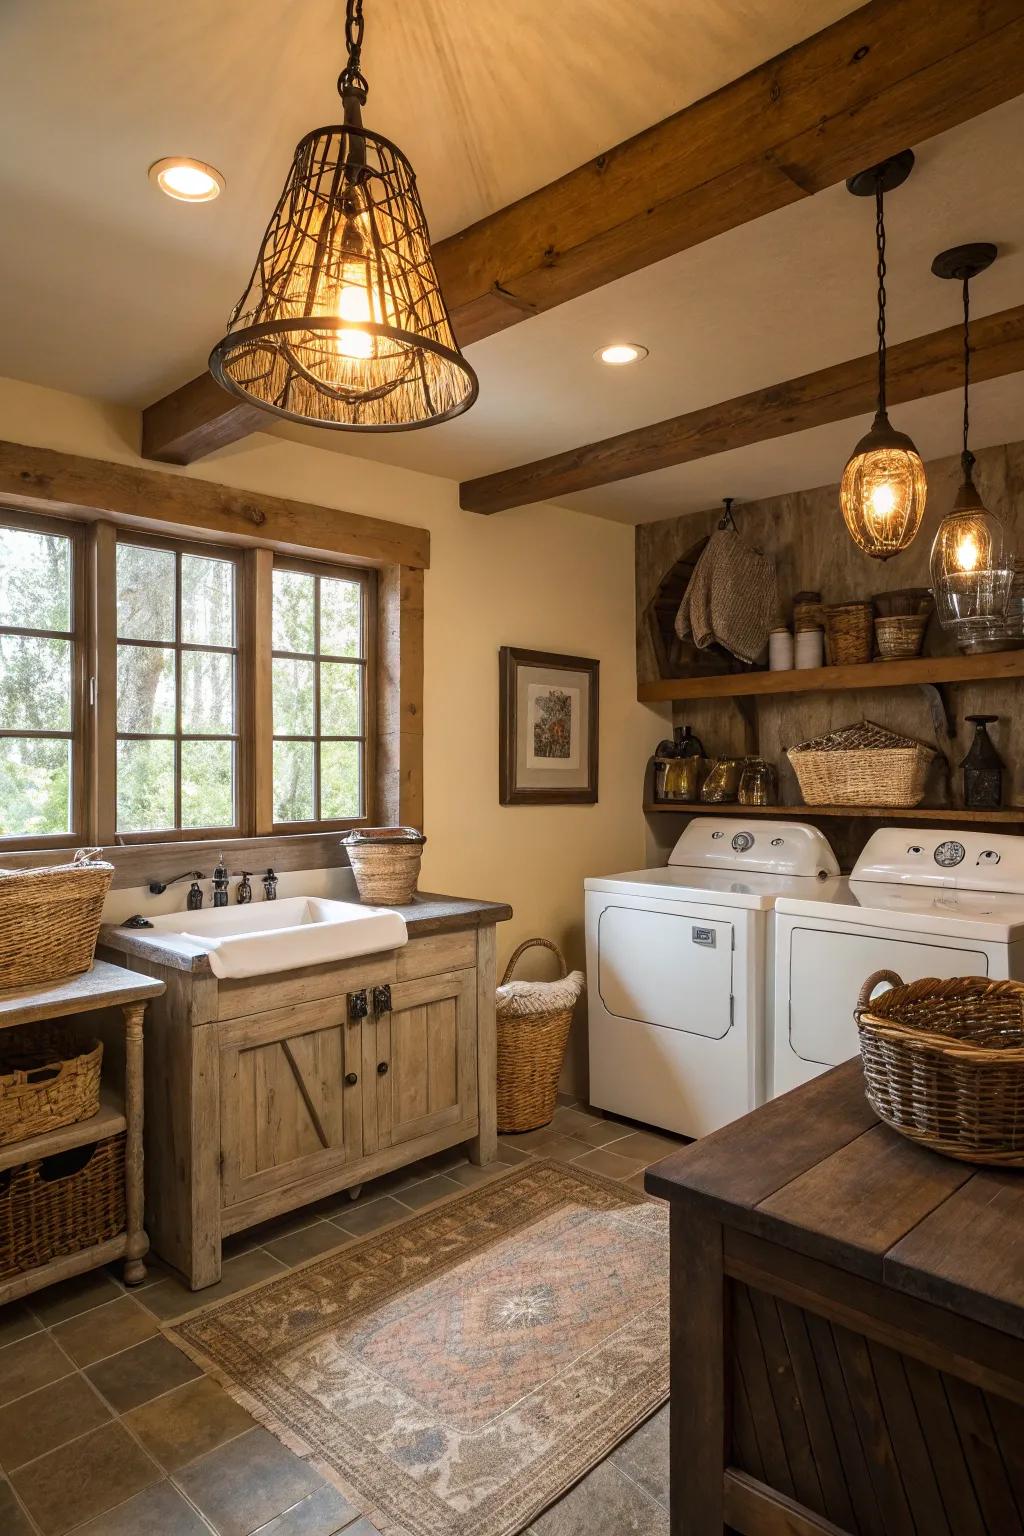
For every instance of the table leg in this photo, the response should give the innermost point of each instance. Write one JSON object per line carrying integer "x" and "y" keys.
{"x": 698, "y": 1418}
{"x": 138, "y": 1242}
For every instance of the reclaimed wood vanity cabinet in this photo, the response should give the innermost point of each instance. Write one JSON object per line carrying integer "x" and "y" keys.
{"x": 268, "y": 1093}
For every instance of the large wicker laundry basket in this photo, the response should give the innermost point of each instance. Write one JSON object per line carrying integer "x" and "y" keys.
{"x": 533, "y": 1028}
{"x": 944, "y": 1063}
{"x": 50, "y": 919}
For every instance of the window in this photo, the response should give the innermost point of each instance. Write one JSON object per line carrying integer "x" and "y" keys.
{"x": 320, "y": 692}
{"x": 156, "y": 689}
{"x": 40, "y": 681}
{"x": 177, "y": 710}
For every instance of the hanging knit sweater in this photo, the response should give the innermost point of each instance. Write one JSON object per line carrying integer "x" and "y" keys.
{"x": 731, "y": 599}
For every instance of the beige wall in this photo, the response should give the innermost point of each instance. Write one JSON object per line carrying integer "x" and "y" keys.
{"x": 545, "y": 578}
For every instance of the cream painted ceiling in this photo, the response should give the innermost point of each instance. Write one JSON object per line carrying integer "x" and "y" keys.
{"x": 109, "y": 289}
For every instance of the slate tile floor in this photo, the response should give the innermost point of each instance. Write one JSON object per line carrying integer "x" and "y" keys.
{"x": 106, "y": 1429}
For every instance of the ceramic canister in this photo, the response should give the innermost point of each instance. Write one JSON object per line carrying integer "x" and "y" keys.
{"x": 810, "y": 648}
{"x": 780, "y": 650}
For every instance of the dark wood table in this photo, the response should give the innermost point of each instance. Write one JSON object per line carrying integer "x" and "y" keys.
{"x": 847, "y": 1328}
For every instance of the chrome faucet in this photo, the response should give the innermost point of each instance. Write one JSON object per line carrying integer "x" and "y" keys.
{"x": 270, "y": 886}
{"x": 220, "y": 884}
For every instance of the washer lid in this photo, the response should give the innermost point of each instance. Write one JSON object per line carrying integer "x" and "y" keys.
{"x": 970, "y": 861}
{"x": 771, "y": 847}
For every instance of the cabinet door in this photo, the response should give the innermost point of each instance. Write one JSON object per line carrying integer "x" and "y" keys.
{"x": 287, "y": 1110}
{"x": 425, "y": 1062}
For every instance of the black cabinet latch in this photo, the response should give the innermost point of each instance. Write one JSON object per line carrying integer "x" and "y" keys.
{"x": 382, "y": 999}
{"x": 358, "y": 1007}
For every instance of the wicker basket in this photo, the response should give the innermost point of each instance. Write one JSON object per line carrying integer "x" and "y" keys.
{"x": 532, "y": 1035}
{"x": 49, "y": 1077}
{"x": 385, "y": 862}
{"x": 861, "y": 765}
{"x": 849, "y": 630}
{"x": 50, "y": 919}
{"x": 901, "y": 635}
{"x": 902, "y": 602}
{"x": 944, "y": 1064}
{"x": 808, "y": 611}
{"x": 61, "y": 1204}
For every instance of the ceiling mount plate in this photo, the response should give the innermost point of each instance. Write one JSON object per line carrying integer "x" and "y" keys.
{"x": 889, "y": 174}
{"x": 964, "y": 261}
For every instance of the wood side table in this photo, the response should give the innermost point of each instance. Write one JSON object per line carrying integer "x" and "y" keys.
{"x": 105, "y": 986}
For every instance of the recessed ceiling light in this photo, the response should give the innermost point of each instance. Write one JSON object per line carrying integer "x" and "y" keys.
{"x": 620, "y": 353}
{"x": 190, "y": 181}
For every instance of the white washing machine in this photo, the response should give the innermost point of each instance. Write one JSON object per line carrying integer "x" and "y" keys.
{"x": 676, "y": 977}
{"x": 920, "y": 903}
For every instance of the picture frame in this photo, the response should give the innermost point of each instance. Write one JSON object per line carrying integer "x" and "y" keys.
{"x": 548, "y": 728}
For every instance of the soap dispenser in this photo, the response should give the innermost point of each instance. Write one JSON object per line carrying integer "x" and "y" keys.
{"x": 243, "y": 892}
{"x": 194, "y": 899}
{"x": 220, "y": 884}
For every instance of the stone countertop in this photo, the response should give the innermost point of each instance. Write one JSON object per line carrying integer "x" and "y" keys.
{"x": 427, "y": 913}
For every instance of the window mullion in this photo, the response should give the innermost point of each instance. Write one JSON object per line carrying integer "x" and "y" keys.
{"x": 259, "y": 737}
{"x": 317, "y": 807}
{"x": 101, "y": 772}
{"x": 177, "y": 690}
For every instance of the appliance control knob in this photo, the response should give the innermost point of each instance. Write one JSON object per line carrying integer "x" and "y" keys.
{"x": 742, "y": 841}
{"x": 915, "y": 848}
{"x": 989, "y": 856}
{"x": 777, "y": 842}
{"x": 949, "y": 854}
{"x": 716, "y": 835}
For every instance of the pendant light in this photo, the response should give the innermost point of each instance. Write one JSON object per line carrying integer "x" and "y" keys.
{"x": 971, "y": 570}
{"x": 882, "y": 493}
{"x": 342, "y": 323}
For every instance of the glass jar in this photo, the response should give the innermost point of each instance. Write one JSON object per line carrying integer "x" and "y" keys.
{"x": 759, "y": 783}
{"x": 723, "y": 781}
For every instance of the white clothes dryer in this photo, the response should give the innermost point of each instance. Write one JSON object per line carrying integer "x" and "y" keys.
{"x": 676, "y": 971}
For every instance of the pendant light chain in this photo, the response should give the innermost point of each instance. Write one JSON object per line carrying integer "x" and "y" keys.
{"x": 881, "y": 270}
{"x": 352, "y": 81}
{"x": 967, "y": 457}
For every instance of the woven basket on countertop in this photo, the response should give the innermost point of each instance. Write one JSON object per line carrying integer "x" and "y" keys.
{"x": 861, "y": 765}
{"x": 850, "y": 632}
{"x": 61, "y": 1204}
{"x": 533, "y": 1020}
{"x": 385, "y": 862}
{"x": 944, "y": 1063}
{"x": 50, "y": 919}
{"x": 49, "y": 1077}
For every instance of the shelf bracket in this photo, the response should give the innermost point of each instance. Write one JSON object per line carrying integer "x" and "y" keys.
{"x": 944, "y": 723}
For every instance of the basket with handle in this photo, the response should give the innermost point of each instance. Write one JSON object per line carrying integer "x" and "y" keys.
{"x": 50, "y": 919}
{"x": 944, "y": 1063}
{"x": 49, "y": 1077}
{"x": 533, "y": 1029}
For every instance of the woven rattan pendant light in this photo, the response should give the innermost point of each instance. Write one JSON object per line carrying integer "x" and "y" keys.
{"x": 342, "y": 323}
{"x": 883, "y": 489}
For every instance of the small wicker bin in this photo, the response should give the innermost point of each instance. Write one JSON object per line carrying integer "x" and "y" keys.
{"x": 49, "y": 1077}
{"x": 61, "y": 1204}
{"x": 861, "y": 765}
{"x": 385, "y": 862}
{"x": 850, "y": 632}
{"x": 533, "y": 1028}
{"x": 944, "y": 1063}
{"x": 50, "y": 919}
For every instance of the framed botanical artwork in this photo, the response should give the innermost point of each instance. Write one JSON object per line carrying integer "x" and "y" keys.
{"x": 548, "y": 728}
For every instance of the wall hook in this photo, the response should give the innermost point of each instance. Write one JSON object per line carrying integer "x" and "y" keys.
{"x": 727, "y": 520}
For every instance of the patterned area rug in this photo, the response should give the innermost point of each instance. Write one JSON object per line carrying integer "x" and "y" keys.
{"x": 456, "y": 1373}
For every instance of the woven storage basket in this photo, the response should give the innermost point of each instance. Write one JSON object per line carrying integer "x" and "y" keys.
{"x": 849, "y": 630}
{"x": 50, "y": 919}
{"x": 49, "y": 1077}
{"x": 944, "y": 1063}
{"x": 861, "y": 765}
{"x": 903, "y": 601}
{"x": 385, "y": 862}
{"x": 61, "y": 1204}
{"x": 901, "y": 635}
{"x": 533, "y": 1027}
{"x": 808, "y": 611}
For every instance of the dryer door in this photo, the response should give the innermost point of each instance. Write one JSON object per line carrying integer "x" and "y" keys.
{"x": 828, "y": 968}
{"x": 659, "y": 963}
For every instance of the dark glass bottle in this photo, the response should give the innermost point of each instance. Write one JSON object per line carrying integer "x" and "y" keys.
{"x": 687, "y": 744}
{"x": 983, "y": 768}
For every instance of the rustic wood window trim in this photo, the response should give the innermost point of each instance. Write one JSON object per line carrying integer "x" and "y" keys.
{"x": 102, "y": 497}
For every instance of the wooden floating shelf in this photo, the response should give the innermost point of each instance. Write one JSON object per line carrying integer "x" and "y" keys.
{"x": 888, "y": 812}
{"x": 873, "y": 674}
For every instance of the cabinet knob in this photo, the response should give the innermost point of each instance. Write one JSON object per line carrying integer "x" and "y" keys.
{"x": 382, "y": 1068}
{"x": 351, "y": 1079}
{"x": 357, "y": 1006}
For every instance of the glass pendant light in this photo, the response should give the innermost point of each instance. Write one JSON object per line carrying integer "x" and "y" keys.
{"x": 342, "y": 323}
{"x": 971, "y": 569}
{"x": 882, "y": 492}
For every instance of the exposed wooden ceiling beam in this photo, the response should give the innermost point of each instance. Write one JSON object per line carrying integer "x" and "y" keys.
{"x": 893, "y": 73}
{"x": 928, "y": 365}
{"x": 68, "y": 485}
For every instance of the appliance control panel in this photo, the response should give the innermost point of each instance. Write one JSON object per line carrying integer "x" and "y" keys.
{"x": 970, "y": 861}
{"x": 768, "y": 847}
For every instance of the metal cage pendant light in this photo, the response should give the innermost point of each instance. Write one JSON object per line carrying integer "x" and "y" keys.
{"x": 883, "y": 489}
{"x": 971, "y": 570}
{"x": 342, "y": 323}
